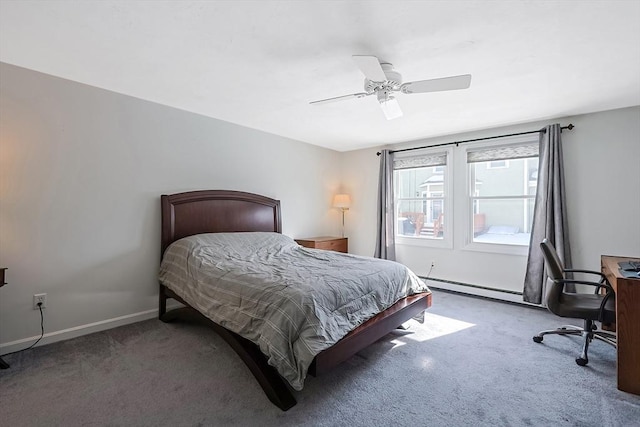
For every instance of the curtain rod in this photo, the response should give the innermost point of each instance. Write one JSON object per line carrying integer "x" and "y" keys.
{"x": 543, "y": 130}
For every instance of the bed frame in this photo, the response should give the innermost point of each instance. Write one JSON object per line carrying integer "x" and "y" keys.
{"x": 218, "y": 211}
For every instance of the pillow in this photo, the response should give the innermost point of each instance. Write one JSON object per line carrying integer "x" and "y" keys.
{"x": 251, "y": 240}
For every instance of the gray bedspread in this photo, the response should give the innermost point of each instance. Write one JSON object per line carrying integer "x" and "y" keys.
{"x": 291, "y": 301}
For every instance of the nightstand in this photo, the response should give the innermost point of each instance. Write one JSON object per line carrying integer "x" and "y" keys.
{"x": 338, "y": 244}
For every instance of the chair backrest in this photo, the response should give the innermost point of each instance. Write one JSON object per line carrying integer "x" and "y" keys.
{"x": 555, "y": 267}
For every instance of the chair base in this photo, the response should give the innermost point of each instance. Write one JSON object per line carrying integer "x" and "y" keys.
{"x": 590, "y": 332}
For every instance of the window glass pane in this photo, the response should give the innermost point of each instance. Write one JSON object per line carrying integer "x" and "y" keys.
{"x": 421, "y": 218}
{"x": 495, "y": 164}
{"x": 509, "y": 178}
{"x": 420, "y": 200}
{"x": 504, "y": 221}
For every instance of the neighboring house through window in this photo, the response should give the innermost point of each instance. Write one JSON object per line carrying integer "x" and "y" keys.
{"x": 422, "y": 197}
{"x": 502, "y": 191}
{"x": 501, "y": 188}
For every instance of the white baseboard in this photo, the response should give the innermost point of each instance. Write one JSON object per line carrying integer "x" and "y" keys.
{"x": 76, "y": 331}
{"x": 476, "y": 291}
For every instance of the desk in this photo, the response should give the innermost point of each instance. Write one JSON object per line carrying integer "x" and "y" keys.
{"x": 627, "y": 322}
{"x": 3, "y": 364}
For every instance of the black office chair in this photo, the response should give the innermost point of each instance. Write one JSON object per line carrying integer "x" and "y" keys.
{"x": 589, "y": 307}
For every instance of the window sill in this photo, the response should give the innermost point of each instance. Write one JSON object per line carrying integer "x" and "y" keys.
{"x": 423, "y": 242}
{"x": 497, "y": 248}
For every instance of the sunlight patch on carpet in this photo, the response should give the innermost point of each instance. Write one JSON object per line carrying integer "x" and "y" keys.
{"x": 435, "y": 326}
{"x": 397, "y": 343}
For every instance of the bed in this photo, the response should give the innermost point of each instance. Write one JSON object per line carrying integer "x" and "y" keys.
{"x": 201, "y": 217}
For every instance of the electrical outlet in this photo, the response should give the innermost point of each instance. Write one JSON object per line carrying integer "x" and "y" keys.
{"x": 39, "y": 298}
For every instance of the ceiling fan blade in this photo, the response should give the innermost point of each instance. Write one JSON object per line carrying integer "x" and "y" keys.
{"x": 391, "y": 108}
{"x": 340, "y": 98}
{"x": 370, "y": 67}
{"x": 437, "y": 85}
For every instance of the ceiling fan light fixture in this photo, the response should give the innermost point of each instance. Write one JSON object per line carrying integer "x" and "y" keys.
{"x": 390, "y": 108}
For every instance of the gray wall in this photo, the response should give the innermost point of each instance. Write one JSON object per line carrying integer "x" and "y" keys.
{"x": 602, "y": 158}
{"x": 82, "y": 169}
{"x": 81, "y": 174}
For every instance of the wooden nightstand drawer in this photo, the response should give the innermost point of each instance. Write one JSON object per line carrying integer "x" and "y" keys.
{"x": 337, "y": 244}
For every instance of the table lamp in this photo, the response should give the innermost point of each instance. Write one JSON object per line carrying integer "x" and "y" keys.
{"x": 342, "y": 202}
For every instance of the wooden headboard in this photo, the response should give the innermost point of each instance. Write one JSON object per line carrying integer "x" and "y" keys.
{"x": 217, "y": 211}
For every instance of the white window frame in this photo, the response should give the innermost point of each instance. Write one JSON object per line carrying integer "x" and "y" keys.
{"x": 469, "y": 244}
{"x": 447, "y": 241}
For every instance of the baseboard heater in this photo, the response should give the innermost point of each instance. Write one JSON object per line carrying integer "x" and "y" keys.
{"x": 471, "y": 285}
{"x": 476, "y": 290}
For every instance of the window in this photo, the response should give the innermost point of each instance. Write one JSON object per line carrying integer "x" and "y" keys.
{"x": 495, "y": 207}
{"x": 421, "y": 195}
{"x": 502, "y": 190}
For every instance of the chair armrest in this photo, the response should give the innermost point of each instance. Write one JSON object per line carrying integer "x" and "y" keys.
{"x": 575, "y": 270}
{"x": 603, "y": 278}
{"x": 585, "y": 282}
{"x": 602, "y": 304}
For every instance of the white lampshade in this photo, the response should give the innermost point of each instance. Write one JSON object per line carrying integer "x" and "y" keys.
{"x": 391, "y": 108}
{"x": 342, "y": 201}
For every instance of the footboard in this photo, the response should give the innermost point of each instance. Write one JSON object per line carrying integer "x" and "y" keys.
{"x": 370, "y": 332}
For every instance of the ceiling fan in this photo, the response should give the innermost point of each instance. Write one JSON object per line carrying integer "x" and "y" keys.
{"x": 382, "y": 80}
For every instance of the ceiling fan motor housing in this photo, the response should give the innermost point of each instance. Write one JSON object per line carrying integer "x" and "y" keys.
{"x": 393, "y": 82}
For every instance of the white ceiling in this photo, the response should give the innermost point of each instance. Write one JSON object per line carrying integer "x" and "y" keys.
{"x": 260, "y": 63}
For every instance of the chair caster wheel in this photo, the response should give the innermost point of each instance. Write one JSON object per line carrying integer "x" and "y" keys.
{"x": 537, "y": 338}
{"x": 582, "y": 362}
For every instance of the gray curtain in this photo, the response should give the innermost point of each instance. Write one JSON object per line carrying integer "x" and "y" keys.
{"x": 385, "y": 240}
{"x": 549, "y": 217}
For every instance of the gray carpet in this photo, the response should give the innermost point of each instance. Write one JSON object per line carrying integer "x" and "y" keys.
{"x": 471, "y": 363}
